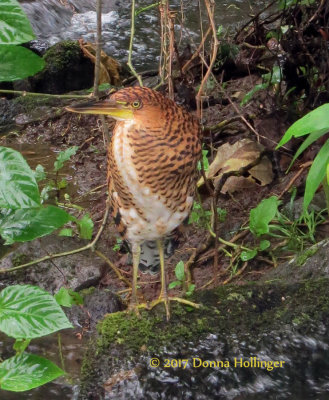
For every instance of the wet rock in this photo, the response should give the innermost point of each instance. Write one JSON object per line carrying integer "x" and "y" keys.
{"x": 253, "y": 341}
{"x": 96, "y": 304}
{"x": 77, "y": 271}
{"x": 66, "y": 69}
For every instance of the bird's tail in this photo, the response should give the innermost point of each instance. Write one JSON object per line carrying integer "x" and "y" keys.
{"x": 150, "y": 260}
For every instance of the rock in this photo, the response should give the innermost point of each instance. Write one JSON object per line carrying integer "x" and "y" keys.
{"x": 260, "y": 340}
{"x": 66, "y": 69}
{"x": 77, "y": 271}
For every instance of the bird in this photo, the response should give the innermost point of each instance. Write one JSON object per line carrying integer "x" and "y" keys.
{"x": 152, "y": 172}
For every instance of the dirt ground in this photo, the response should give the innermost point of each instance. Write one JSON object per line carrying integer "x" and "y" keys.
{"x": 39, "y": 142}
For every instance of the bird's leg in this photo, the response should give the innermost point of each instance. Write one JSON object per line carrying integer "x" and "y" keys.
{"x": 163, "y": 297}
{"x": 136, "y": 250}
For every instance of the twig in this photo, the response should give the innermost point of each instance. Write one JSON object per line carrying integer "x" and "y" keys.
{"x": 295, "y": 177}
{"x": 90, "y": 245}
{"x": 197, "y": 51}
{"x": 56, "y": 96}
{"x": 98, "y": 47}
{"x": 132, "y": 33}
{"x": 115, "y": 269}
{"x": 221, "y": 124}
{"x": 210, "y": 10}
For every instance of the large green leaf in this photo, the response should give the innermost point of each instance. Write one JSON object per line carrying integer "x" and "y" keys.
{"x": 312, "y": 137}
{"x": 18, "y": 187}
{"x": 314, "y": 121}
{"x": 15, "y": 28}
{"x": 316, "y": 174}
{"x": 262, "y": 215}
{"x": 17, "y": 62}
{"x": 27, "y": 371}
{"x": 28, "y": 312}
{"x": 27, "y": 224}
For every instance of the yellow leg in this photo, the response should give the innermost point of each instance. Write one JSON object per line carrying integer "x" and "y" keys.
{"x": 136, "y": 250}
{"x": 163, "y": 297}
{"x": 163, "y": 293}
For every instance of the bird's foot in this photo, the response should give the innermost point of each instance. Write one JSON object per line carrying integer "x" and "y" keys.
{"x": 166, "y": 300}
{"x": 134, "y": 307}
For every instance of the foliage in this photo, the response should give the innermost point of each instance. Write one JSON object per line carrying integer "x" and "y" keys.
{"x": 270, "y": 79}
{"x": 202, "y": 217}
{"x": 262, "y": 215}
{"x": 17, "y": 62}
{"x": 284, "y": 4}
{"x": 22, "y": 215}
{"x": 180, "y": 275}
{"x": 68, "y": 297}
{"x": 266, "y": 219}
{"x": 117, "y": 245}
{"x": 314, "y": 124}
{"x": 28, "y": 312}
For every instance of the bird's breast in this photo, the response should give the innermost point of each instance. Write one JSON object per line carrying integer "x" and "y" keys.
{"x": 147, "y": 216}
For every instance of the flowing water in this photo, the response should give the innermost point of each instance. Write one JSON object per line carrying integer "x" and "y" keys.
{"x": 55, "y": 20}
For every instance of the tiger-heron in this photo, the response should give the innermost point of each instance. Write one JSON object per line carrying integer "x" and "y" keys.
{"x": 152, "y": 170}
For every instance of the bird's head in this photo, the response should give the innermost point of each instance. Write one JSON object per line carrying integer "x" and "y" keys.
{"x": 131, "y": 103}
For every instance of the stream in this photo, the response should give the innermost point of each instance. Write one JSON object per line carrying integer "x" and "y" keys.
{"x": 53, "y": 21}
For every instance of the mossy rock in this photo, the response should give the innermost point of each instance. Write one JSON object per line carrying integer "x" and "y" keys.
{"x": 235, "y": 322}
{"x": 67, "y": 69}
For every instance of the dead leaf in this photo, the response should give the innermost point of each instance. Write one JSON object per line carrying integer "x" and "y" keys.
{"x": 233, "y": 158}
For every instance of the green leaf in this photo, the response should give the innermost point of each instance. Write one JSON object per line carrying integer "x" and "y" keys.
{"x": 15, "y": 28}
{"x": 316, "y": 174}
{"x": 264, "y": 244}
{"x": 312, "y": 137}
{"x": 28, "y": 224}
{"x": 27, "y": 371}
{"x": 315, "y": 121}
{"x": 190, "y": 290}
{"x": 64, "y": 156}
{"x": 255, "y": 89}
{"x": 66, "y": 232}
{"x": 328, "y": 174}
{"x": 262, "y": 215}
{"x": 39, "y": 173}
{"x": 62, "y": 184}
{"x": 248, "y": 255}
{"x": 180, "y": 271}
{"x": 86, "y": 227}
{"x": 68, "y": 297}
{"x": 20, "y": 345}
{"x": 18, "y": 186}
{"x": 28, "y": 312}
{"x": 273, "y": 77}
{"x": 174, "y": 284}
{"x": 17, "y": 62}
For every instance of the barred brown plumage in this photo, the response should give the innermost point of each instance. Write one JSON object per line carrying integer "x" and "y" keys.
{"x": 152, "y": 169}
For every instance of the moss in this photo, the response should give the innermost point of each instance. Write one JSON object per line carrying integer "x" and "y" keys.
{"x": 87, "y": 291}
{"x": 19, "y": 259}
{"x": 247, "y": 312}
{"x": 227, "y": 309}
{"x": 61, "y": 54}
{"x": 149, "y": 331}
{"x": 302, "y": 258}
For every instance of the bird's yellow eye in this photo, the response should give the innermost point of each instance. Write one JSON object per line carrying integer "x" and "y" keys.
{"x": 136, "y": 104}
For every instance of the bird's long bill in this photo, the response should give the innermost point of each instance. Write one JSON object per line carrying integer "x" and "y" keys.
{"x": 109, "y": 107}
